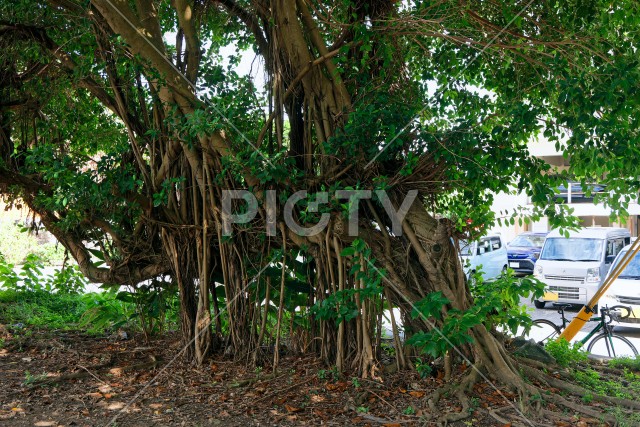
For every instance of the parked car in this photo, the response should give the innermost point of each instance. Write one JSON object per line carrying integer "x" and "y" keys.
{"x": 573, "y": 267}
{"x": 625, "y": 290}
{"x": 524, "y": 251}
{"x": 488, "y": 255}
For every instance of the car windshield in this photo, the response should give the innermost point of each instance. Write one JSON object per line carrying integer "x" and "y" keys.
{"x": 572, "y": 249}
{"x": 465, "y": 247}
{"x": 632, "y": 270}
{"x": 528, "y": 241}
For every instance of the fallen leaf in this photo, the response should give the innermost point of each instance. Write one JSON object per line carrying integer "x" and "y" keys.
{"x": 108, "y": 395}
{"x": 391, "y": 425}
{"x": 155, "y": 405}
{"x": 17, "y": 409}
{"x": 417, "y": 393}
{"x": 340, "y": 385}
{"x": 316, "y": 398}
{"x": 321, "y": 414}
{"x": 115, "y": 406}
{"x": 95, "y": 395}
{"x": 104, "y": 388}
{"x": 292, "y": 409}
{"x": 46, "y": 423}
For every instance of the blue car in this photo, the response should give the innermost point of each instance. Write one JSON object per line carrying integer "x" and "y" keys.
{"x": 524, "y": 251}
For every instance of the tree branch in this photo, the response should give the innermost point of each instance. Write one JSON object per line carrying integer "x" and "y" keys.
{"x": 249, "y": 20}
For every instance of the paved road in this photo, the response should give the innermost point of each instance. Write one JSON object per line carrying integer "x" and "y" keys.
{"x": 550, "y": 313}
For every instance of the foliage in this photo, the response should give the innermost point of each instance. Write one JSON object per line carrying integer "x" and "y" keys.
{"x": 17, "y": 242}
{"x": 104, "y": 311}
{"x": 340, "y": 305}
{"x": 31, "y": 277}
{"x": 323, "y": 374}
{"x": 629, "y": 388}
{"x": 32, "y": 298}
{"x": 455, "y": 326}
{"x": 500, "y": 299}
{"x": 633, "y": 364}
{"x": 423, "y": 368}
{"x": 151, "y": 308}
{"x": 624, "y": 419}
{"x": 497, "y": 304}
{"x": 565, "y": 353}
{"x": 41, "y": 309}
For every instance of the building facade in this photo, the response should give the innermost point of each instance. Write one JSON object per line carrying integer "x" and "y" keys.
{"x": 591, "y": 214}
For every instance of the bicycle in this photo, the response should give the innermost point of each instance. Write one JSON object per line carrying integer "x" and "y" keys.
{"x": 605, "y": 344}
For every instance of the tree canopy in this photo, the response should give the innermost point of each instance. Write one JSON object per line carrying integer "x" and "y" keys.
{"x": 123, "y": 123}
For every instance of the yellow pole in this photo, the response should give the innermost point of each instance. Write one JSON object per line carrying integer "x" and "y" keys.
{"x": 587, "y": 311}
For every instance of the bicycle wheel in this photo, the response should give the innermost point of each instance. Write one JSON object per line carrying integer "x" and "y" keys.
{"x": 612, "y": 346}
{"x": 541, "y": 331}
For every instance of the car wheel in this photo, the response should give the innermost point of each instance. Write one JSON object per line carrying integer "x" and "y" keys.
{"x": 539, "y": 304}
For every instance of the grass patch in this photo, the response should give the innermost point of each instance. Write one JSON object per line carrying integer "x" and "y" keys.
{"x": 95, "y": 313}
{"x": 632, "y": 364}
{"x": 624, "y": 419}
{"x": 625, "y": 387}
{"x": 42, "y": 309}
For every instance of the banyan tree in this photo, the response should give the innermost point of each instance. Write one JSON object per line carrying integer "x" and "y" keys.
{"x": 301, "y": 198}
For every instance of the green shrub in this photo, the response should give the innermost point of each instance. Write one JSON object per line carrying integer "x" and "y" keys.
{"x": 41, "y": 309}
{"x": 16, "y": 243}
{"x": 30, "y": 277}
{"x": 629, "y": 363}
{"x": 566, "y": 354}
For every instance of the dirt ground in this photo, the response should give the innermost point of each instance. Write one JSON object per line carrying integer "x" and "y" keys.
{"x": 50, "y": 378}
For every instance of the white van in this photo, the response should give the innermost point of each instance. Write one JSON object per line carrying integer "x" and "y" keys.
{"x": 488, "y": 255}
{"x": 572, "y": 268}
{"x": 625, "y": 291}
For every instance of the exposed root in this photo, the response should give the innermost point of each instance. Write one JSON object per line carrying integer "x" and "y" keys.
{"x": 460, "y": 390}
{"x": 495, "y": 414}
{"x": 584, "y": 409}
{"x": 579, "y": 391}
{"x": 457, "y": 416}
